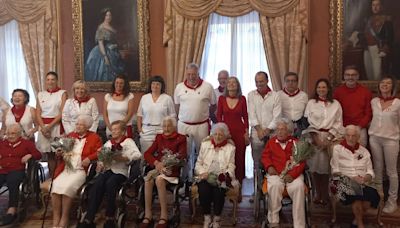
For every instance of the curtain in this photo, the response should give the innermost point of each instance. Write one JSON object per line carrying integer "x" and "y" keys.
{"x": 285, "y": 39}
{"x": 184, "y": 20}
{"x": 234, "y": 44}
{"x": 37, "y": 22}
{"x": 13, "y": 70}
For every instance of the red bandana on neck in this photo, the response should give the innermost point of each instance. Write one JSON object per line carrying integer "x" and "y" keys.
{"x": 113, "y": 141}
{"x": 53, "y": 90}
{"x": 82, "y": 100}
{"x": 221, "y": 89}
{"x": 384, "y": 99}
{"x": 322, "y": 99}
{"x": 116, "y": 146}
{"x": 291, "y": 94}
{"x": 351, "y": 148}
{"x": 14, "y": 144}
{"x": 171, "y": 136}
{"x": 193, "y": 87}
{"x": 117, "y": 94}
{"x": 18, "y": 113}
{"x": 219, "y": 145}
{"x": 264, "y": 91}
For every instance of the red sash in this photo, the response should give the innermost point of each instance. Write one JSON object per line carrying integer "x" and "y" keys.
{"x": 49, "y": 120}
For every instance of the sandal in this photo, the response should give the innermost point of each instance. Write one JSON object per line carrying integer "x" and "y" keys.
{"x": 146, "y": 224}
{"x": 162, "y": 225}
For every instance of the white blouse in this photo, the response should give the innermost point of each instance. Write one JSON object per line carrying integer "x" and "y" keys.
{"x": 4, "y": 106}
{"x": 153, "y": 112}
{"x": 72, "y": 110}
{"x": 26, "y": 121}
{"x": 264, "y": 111}
{"x": 50, "y": 103}
{"x": 328, "y": 117}
{"x": 117, "y": 110}
{"x": 343, "y": 161}
{"x": 385, "y": 123}
{"x": 130, "y": 151}
{"x": 293, "y": 107}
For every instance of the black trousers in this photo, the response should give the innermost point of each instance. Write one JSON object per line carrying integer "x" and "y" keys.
{"x": 210, "y": 194}
{"x": 106, "y": 183}
{"x": 13, "y": 179}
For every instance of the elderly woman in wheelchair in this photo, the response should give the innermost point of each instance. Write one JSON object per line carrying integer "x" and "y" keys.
{"x": 14, "y": 153}
{"x": 168, "y": 148}
{"x": 352, "y": 175}
{"x": 276, "y": 155}
{"x": 215, "y": 173}
{"x": 112, "y": 174}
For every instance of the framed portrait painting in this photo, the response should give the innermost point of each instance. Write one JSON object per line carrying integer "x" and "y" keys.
{"x": 365, "y": 33}
{"x": 110, "y": 38}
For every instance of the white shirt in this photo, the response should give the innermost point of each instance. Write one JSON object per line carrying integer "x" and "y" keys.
{"x": 385, "y": 123}
{"x": 4, "y": 106}
{"x": 328, "y": 117}
{"x": 293, "y": 107}
{"x": 26, "y": 121}
{"x": 343, "y": 161}
{"x": 264, "y": 111}
{"x": 72, "y": 110}
{"x": 130, "y": 151}
{"x": 153, "y": 113}
{"x": 194, "y": 103}
{"x": 117, "y": 110}
{"x": 50, "y": 103}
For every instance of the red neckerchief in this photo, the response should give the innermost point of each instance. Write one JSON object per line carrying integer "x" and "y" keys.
{"x": 351, "y": 148}
{"x": 16, "y": 143}
{"x": 171, "y": 136}
{"x": 113, "y": 141}
{"x": 384, "y": 99}
{"x": 55, "y": 90}
{"x": 18, "y": 112}
{"x": 117, "y": 94}
{"x": 288, "y": 139}
{"x": 291, "y": 94}
{"x": 322, "y": 99}
{"x": 264, "y": 91}
{"x": 219, "y": 145}
{"x": 117, "y": 145}
{"x": 221, "y": 89}
{"x": 77, "y": 136}
{"x": 193, "y": 87}
{"x": 82, "y": 100}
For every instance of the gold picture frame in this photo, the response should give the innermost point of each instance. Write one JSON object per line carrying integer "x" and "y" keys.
{"x": 345, "y": 46}
{"x": 135, "y": 36}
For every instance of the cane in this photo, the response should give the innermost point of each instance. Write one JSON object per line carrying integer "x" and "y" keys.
{"x": 48, "y": 198}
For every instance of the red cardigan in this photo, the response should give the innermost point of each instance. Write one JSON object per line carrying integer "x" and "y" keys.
{"x": 176, "y": 143}
{"x": 12, "y": 153}
{"x": 277, "y": 157}
{"x": 92, "y": 145}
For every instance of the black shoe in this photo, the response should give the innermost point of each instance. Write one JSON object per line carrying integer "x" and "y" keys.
{"x": 8, "y": 219}
{"x": 110, "y": 223}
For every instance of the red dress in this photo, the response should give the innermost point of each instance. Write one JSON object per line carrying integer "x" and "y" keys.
{"x": 237, "y": 120}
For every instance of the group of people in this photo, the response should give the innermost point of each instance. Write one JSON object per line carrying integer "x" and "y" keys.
{"x": 336, "y": 122}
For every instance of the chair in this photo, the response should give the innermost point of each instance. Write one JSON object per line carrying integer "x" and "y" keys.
{"x": 231, "y": 195}
{"x": 261, "y": 196}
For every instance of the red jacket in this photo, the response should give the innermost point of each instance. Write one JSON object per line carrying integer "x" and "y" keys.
{"x": 277, "y": 157}
{"x": 175, "y": 142}
{"x": 12, "y": 153}
{"x": 92, "y": 145}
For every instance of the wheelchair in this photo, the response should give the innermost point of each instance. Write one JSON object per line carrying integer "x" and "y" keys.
{"x": 29, "y": 188}
{"x": 126, "y": 195}
{"x": 174, "y": 220}
{"x": 261, "y": 196}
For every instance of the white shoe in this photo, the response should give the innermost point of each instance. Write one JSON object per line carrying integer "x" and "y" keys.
{"x": 390, "y": 207}
{"x": 207, "y": 221}
{"x": 216, "y": 222}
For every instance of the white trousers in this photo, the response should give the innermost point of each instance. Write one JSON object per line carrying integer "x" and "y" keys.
{"x": 257, "y": 147}
{"x": 363, "y": 137}
{"x": 385, "y": 152}
{"x": 195, "y": 135}
{"x": 296, "y": 192}
{"x": 373, "y": 63}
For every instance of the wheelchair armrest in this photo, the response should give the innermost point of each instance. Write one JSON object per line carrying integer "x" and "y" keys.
{"x": 307, "y": 178}
{"x": 91, "y": 173}
{"x": 134, "y": 171}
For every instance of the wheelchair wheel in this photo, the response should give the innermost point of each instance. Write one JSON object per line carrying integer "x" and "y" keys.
{"x": 256, "y": 209}
{"x": 121, "y": 220}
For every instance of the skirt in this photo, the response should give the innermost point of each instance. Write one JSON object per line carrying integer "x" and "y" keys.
{"x": 68, "y": 182}
{"x": 369, "y": 195}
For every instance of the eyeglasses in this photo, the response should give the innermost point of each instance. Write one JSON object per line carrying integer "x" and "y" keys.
{"x": 350, "y": 75}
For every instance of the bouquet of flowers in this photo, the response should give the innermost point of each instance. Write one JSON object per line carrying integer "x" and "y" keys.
{"x": 107, "y": 154}
{"x": 169, "y": 160}
{"x": 340, "y": 186}
{"x": 222, "y": 180}
{"x": 65, "y": 145}
{"x": 301, "y": 151}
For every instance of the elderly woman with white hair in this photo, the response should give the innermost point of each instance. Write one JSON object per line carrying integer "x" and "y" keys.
{"x": 80, "y": 103}
{"x": 68, "y": 179}
{"x": 352, "y": 160}
{"x": 216, "y": 158}
{"x": 167, "y": 142}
